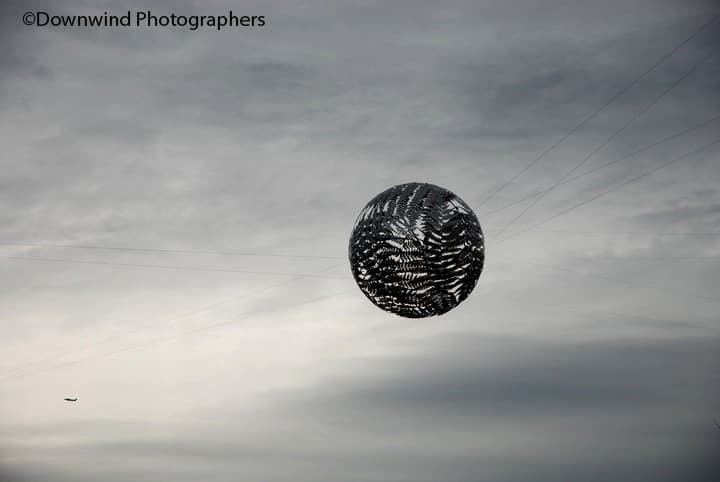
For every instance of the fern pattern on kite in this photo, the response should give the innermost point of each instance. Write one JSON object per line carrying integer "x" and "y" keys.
{"x": 417, "y": 250}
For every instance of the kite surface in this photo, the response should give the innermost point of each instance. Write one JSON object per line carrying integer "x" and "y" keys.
{"x": 416, "y": 250}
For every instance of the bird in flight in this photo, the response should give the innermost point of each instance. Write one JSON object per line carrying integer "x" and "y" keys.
{"x": 70, "y": 399}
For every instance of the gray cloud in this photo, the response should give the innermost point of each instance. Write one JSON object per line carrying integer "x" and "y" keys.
{"x": 461, "y": 403}
{"x": 270, "y": 141}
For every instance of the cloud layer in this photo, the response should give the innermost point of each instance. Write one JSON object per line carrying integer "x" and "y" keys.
{"x": 589, "y": 349}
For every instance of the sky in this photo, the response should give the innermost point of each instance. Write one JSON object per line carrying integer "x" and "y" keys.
{"x": 176, "y": 209}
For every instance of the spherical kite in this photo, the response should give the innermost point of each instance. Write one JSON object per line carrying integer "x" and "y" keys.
{"x": 416, "y": 250}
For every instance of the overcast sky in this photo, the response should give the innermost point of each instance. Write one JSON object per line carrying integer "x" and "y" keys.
{"x": 590, "y": 349}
